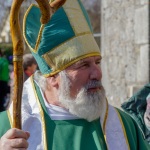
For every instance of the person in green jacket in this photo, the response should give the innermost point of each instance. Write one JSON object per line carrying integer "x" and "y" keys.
{"x": 4, "y": 78}
{"x": 138, "y": 107}
{"x": 64, "y": 106}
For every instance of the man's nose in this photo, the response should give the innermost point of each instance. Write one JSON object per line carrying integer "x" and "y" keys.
{"x": 96, "y": 73}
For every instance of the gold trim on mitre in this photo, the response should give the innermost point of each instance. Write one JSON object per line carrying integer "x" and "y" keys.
{"x": 34, "y": 49}
{"x": 24, "y": 24}
{"x": 76, "y": 17}
{"x": 70, "y": 52}
{"x": 39, "y": 38}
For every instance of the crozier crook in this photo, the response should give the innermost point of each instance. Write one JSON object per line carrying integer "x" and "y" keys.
{"x": 18, "y": 48}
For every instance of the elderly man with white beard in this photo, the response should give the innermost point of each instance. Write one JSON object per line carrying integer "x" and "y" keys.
{"x": 64, "y": 106}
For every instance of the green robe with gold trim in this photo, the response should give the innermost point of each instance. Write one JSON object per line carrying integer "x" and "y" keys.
{"x": 78, "y": 134}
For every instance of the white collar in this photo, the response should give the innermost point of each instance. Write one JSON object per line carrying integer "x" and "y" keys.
{"x": 57, "y": 112}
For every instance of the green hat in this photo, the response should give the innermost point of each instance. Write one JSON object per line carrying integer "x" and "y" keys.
{"x": 64, "y": 40}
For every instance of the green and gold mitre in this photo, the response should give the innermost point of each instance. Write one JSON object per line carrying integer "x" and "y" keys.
{"x": 65, "y": 39}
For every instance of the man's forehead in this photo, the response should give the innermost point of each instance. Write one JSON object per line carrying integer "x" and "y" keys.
{"x": 84, "y": 60}
{"x": 88, "y": 59}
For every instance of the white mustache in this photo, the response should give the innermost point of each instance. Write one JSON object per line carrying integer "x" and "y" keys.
{"x": 93, "y": 84}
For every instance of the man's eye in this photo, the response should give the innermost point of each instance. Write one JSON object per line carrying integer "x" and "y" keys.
{"x": 98, "y": 62}
{"x": 84, "y": 65}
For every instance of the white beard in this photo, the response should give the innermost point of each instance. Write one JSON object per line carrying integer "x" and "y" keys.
{"x": 86, "y": 105}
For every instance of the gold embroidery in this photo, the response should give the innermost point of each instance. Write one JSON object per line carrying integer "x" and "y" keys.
{"x": 105, "y": 119}
{"x": 76, "y": 17}
{"x": 39, "y": 38}
{"x": 10, "y": 118}
{"x": 104, "y": 124}
{"x": 39, "y": 34}
{"x": 24, "y": 23}
{"x": 41, "y": 114}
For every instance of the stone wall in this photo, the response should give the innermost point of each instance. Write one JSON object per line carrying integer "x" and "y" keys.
{"x": 5, "y": 8}
{"x": 125, "y": 47}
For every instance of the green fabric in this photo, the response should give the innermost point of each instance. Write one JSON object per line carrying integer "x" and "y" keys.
{"x": 83, "y": 135}
{"x": 129, "y": 126}
{"x": 4, "y": 70}
{"x": 80, "y": 134}
{"x": 77, "y": 141}
{"x": 79, "y": 130}
{"x": 136, "y": 107}
{"x": 4, "y": 123}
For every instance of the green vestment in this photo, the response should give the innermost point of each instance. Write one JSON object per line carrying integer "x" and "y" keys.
{"x": 4, "y": 70}
{"x": 77, "y": 134}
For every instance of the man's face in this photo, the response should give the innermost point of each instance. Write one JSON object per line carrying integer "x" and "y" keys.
{"x": 80, "y": 89}
{"x": 31, "y": 69}
{"x": 83, "y": 72}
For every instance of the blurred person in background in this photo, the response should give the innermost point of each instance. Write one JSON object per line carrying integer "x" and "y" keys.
{"x": 4, "y": 78}
{"x": 29, "y": 65}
